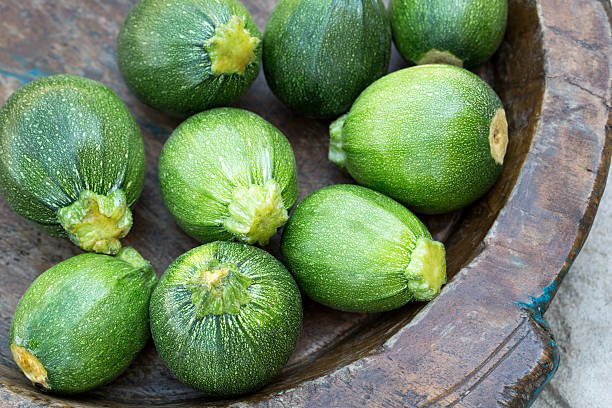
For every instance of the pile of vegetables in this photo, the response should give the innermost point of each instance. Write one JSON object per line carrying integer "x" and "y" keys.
{"x": 226, "y": 316}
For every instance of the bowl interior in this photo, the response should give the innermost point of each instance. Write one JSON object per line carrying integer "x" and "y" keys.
{"x": 330, "y": 339}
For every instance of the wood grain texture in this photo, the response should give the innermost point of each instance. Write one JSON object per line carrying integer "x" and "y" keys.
{"x": 482, "y": 342}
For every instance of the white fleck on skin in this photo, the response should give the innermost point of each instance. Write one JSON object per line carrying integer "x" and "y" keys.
{"x": 176, "y": 37}
{"x": 74, "y": 122}
{"x": 220, "y": 191}
{"x": 335, "y": 50}
{"x": 264, "y": 328}
{"x": 373, "y": 273}
{"x": 86, "y": 286}
{"x": 431, "y": 124}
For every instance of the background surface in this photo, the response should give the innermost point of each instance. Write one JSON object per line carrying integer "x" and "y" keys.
{"x": 581, "y": 319}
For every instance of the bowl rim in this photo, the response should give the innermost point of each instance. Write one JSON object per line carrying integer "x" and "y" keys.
{"x": 552, "y": 227}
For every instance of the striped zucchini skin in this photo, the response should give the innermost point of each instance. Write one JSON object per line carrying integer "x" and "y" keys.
{"x": 85, "y": 319}
{"x": 162, "y": 55}
{"x": 350, "y": 248}
{"x": 61, "y": 135}
{"x": 227, "y": 354}
{"x": 471, "y": 30}
{"x": 211, "y": 155}
{"x": 320, "y": 54}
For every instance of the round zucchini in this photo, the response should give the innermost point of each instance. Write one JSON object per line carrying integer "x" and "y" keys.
{"x": 320, "y": 54}
{"x": 464, "y": 33}
{"x": 228, "y": 174}
{"x": 225, "y": 317}
{"x": 71, "y": 160}
{"x": 437, "y": 144}
{"x": 185, "y": 56}
{"x": 357, "y": 250}
{"x": 82, "y": 322}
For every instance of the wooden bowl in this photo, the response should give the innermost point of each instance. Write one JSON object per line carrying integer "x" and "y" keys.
{"x": 482, "y": 342}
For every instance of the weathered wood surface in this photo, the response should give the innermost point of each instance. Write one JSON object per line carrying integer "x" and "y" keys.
{"x": 482, "y": 342}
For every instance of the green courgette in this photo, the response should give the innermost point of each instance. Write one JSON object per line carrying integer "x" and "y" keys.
{"x": 318, "y": 55}
{"x": 464, "y": 33}
{"x": 228, "y": 174}
{"x": 437, "y": 143}
{"x": 357, "y": 250}
{"x": 71, "y": 160}
{"x": 225, "y": 317}
{"x": 184, "y": 56}
{"x": 82, "y": 322}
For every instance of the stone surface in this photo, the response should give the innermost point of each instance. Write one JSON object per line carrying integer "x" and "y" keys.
{"x": 581, "y": 319}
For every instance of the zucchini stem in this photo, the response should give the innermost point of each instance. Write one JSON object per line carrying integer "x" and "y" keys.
{"x": 132, "y": 257}
{"x": 218, "y": 289}
{"x": 337, "y": 155}
{"x": 232, "y": 48}
{"x": 256, "y": 212}
{"x": 498, "y": 136}
{"x": 30, "y": 366}
{"x": 434, "y": 56}
{"x": 96, "y": 222}
{"x": 426, "y": 272}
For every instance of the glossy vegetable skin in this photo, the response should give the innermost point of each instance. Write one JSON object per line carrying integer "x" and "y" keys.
{"x": 82, "y": 322}
{"x": 357, "y": 250}
{"x": 464, "y": 33}
{"x": 436, "y": 145}
{"x": 185, "y": 56}
{"x": 227, "y": 174}
{"x": 225, "y": 318}
{"x": 320, "y": 54}
{"x": 71, "y": 160}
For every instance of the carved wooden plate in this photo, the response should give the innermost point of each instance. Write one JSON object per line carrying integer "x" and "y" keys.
{"x": 482, "y": 342}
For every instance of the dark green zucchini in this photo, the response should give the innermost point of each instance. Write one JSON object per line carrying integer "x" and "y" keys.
{"x": 228, "y": 174}
{"x": 71, "y": 160}
{"x": 185, "y": 56}
{"x": 225, "y": 317}
{"x": 320, "y": 54}
{"x": 82, "y": 322}
{"x": 357, "y": 250}
{"x": 464, "y": 33}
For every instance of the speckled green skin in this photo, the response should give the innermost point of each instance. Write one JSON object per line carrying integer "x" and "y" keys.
{"x": 211, "y": 154}
{"x": 469, "y": 29}
{"x": 161, "y": 54}
{"x": 229, "y": 354}
{"x": 348, "y": 247}
{"x": 319, "y": 55}
{"x": 63, "y": 134}
{"x": 421, "y": 136}
{"x": 86, "y": 318}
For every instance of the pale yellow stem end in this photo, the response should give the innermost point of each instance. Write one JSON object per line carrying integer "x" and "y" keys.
{"x": 498, "y": 136}
{"x": 30, "y": 366}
